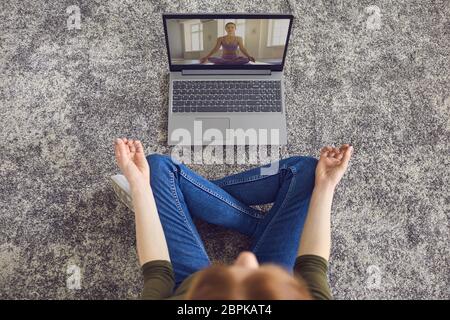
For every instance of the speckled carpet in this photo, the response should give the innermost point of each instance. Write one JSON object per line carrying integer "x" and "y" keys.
{"x": 371, "y": 73}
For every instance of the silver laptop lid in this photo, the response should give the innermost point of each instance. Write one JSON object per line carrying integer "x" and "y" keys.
{"x": 207, "y": 41}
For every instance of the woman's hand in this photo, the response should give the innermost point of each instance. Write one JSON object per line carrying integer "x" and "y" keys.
{"x": 251, "y": 59}
{"x": 131, "y": 160}
{"x": 332, "y": 165}
{"x": 203, "y": 59}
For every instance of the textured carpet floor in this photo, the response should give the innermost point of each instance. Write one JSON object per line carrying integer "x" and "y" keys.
{"x": 382, "y": 85}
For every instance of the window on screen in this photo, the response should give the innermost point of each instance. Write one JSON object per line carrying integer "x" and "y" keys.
{"x": 197, "y": 37}
{"x": 193, "y": 35}
{"x": 278, "y": 29}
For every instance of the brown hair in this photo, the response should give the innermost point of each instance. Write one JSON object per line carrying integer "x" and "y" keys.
{"x": 230, "y": 23}
{"x": 269, "y": 282}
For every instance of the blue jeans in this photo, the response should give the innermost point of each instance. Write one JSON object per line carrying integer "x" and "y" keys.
{"x": 181, "y": 194}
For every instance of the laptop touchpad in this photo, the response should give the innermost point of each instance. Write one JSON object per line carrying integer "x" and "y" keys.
{"x": 213, "y": 129}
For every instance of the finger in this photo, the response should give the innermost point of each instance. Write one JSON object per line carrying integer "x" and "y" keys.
{"x": 127, "y": 145}
{"x": 347, "y": 155}
{"x": 333, "y": 151}
{"x": 132, "y": 146}
{"x": 122, "y": 149}
{"x": 139, "y": 147}
{"x": 336, "y": 152}
{"x": 116, "y": 147}
{"x": 331, "y": 162}
{"x": 334, "y": 161}
{"x": 140, "y": 151}
{"x": 324, "y": 154}
{"x": 339, "y": 156}
{"x": 344, "y": 147}
{"x": 325, "y": 149}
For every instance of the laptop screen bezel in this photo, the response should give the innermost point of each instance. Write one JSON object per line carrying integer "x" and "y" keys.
{"x": 180, "y": 67}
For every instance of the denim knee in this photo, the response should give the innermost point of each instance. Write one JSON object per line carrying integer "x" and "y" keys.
{"x": 305, "y": 169}
{"x": 160, "y": 166}
{"x": 304, "y": 162}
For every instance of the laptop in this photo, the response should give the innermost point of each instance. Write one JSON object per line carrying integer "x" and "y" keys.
{"x": 226, "y": 78}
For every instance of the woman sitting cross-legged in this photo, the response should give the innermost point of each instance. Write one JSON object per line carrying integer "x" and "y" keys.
{"x": 290, "y": 244}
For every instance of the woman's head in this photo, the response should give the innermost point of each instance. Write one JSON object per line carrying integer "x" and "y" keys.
{"x": 230, "y": 27}
{"x": 246, "y": 279}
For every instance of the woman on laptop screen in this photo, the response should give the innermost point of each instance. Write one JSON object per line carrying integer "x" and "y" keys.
{"x": 230, "y": 44}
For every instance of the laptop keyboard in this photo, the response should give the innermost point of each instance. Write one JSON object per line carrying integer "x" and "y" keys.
{"x": 226, "y": 96}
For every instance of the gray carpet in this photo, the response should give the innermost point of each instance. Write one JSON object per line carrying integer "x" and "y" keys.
{"x": 66, "y": 94}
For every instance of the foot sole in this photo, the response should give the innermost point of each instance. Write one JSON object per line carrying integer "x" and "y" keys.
{"x": 122, "y": 189}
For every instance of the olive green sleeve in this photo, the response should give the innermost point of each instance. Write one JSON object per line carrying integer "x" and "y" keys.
{"x": 159, "y": 280}
{"x": 313, "y": 270}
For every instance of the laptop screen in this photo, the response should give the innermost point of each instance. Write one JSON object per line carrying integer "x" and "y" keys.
{"x": 244, "y": 41}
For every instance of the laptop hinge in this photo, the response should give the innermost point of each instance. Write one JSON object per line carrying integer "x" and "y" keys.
{"x": 191, "y": 72}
